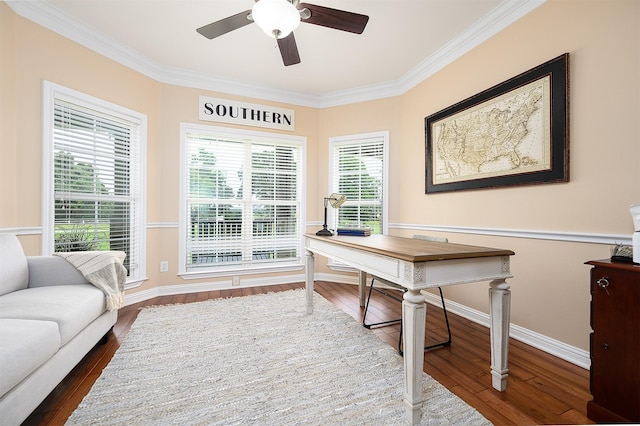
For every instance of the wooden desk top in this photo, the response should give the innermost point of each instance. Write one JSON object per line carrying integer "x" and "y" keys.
{"x": 410, "y": 249}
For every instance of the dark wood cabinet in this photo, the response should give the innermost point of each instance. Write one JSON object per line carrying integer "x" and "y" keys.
{"x": 615, "y": 342}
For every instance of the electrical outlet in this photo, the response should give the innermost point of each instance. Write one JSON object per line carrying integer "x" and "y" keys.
{"x": 235, "y": 281}
{"x": 164, "y": 266}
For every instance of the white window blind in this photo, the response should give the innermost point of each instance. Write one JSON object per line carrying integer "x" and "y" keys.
{"x": 96, "y": 164}
{"x": 243, "y": 200}
{"x": 358, "y": 171}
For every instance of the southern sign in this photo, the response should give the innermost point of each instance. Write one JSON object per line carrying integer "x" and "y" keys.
{"x": 232, "y": 112}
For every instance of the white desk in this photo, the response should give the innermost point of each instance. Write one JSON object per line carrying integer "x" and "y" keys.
{"x": 417, "y": 265}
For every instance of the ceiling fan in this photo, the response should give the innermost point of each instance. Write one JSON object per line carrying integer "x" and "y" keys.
{"x": 278, "y": 19}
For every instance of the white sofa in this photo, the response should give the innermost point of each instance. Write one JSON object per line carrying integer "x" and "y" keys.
{"x": 50, "y": 317}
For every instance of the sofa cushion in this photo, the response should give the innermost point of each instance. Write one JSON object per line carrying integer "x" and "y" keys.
{"x": 24, "y": 346}
{"x": 14, "y": 272}
{"x": 52, "y": 270}
{"x": 72, "y": 307}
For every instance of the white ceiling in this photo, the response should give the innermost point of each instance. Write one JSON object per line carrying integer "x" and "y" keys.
{"x": 403, "y": 43}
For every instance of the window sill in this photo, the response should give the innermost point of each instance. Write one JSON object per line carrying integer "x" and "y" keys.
{"x": 251, "y": 270}
{"x": 134, "y": 283}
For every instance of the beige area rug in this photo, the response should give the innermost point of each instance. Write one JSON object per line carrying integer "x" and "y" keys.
{"x": 257, "y": 360}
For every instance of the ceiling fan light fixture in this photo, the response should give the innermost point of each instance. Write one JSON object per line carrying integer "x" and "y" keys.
{"x": 277, "y": 18}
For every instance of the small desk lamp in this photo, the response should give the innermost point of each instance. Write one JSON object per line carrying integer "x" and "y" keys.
{"x": 336, "y": 201}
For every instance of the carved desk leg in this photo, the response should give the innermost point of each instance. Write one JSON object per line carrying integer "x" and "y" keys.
{"x": 500, "y": 298}
{"x": 309, "y": 274}
{"x": 414, "y": 310}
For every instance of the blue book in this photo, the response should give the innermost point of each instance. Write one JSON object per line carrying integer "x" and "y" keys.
{"x": 360, "y": 232}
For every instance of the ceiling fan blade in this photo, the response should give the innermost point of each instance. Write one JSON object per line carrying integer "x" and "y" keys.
{"x": 289, "y": 50}
{"x": 334, "y": 18}
{"x": 225, "y": 25}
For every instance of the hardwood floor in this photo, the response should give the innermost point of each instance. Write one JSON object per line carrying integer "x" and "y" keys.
{"x": 542, "y": 389}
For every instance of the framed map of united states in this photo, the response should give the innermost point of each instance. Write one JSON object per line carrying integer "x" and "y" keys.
{"x": 514, "y": 133}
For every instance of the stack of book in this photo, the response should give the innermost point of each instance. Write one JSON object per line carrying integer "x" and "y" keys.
{"x": 358, "y": 232}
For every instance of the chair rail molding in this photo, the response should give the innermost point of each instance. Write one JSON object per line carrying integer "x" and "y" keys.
{"x": 22, "y": 230}
{"x": 565, "y": 236}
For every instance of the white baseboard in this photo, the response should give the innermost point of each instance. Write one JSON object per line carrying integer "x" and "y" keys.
{"x": 170, "y": 290}
{"x": 551, "y": 346}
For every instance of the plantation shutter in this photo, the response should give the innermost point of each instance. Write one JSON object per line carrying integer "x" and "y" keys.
{"x": 358, "y": 168}
{"x": 96, "y": 160}
{"x": 242, "y": 200}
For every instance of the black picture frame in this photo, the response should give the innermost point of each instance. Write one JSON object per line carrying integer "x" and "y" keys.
{"x": 475, "y": 143}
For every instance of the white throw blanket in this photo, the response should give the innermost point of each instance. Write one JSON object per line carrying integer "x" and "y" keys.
{"x": 104, "y": 270}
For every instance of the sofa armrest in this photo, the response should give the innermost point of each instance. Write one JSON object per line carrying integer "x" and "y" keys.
{"x": 52, "y": 270}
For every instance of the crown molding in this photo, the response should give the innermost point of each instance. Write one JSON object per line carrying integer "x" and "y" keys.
{"x": 47, "y": 16}
{"x": 186, "y": 78}
{"x": 51, "y": 18}
{"x": 505, "y": 14}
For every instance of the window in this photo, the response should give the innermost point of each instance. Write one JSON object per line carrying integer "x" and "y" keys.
{"x": 93, "y": 157}
{"x": 358, "y": 169}
{"x": 242, "y": 200}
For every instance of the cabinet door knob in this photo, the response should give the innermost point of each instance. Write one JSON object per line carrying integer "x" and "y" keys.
{"x": 605, "y": 347}
{"x": 603, "y": 283}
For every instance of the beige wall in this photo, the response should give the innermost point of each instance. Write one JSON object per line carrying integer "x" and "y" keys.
{"x": 550, "y": 287}
{"x": 550, "y": 284}
{"x": 7, "y": 119}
